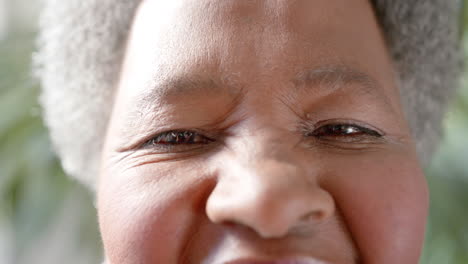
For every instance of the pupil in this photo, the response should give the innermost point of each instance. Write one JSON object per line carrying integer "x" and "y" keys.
{"x": 187, "y": 135}
{"x": 350, "y": 130}
{"x": 342, "y": 130}
{"x": 181, "y": 137}
{"x": 173, "y": 138}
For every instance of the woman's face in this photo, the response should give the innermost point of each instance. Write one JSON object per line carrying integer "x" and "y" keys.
{"x": 259, "y": 131}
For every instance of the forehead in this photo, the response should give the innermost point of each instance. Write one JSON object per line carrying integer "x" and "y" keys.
{"x": 251, "y": 41}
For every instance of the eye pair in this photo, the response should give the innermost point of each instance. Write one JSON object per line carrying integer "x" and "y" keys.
{"x": 337, "y": 131}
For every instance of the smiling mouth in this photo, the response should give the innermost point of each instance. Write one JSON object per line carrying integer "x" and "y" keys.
{"x": 278, "y": 261}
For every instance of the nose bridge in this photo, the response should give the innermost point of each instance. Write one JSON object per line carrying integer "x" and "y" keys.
{"x": 275, "y": 174}
{"x": 269, "y": 191}
{"x": 273, "y": 163}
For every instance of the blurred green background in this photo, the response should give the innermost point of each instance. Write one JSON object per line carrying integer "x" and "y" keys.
{"x": 48, "y": 218}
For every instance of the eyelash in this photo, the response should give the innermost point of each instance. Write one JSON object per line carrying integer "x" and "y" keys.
{"x": 183, "y": 137}
{"x": 341, "y": 132}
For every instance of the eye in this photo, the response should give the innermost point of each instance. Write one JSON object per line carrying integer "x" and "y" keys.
{"x": 342, "y": 132}
{"x": 173, "y": 138}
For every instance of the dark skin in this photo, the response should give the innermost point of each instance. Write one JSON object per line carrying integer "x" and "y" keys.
{"x": 259, "y": 131}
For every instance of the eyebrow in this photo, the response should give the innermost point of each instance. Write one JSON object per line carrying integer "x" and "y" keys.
{"x": 334, "y": 77}
{"x": 325, "y": 78}
{"x": 186, "y": 86}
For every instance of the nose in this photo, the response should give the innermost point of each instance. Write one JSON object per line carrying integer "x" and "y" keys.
{"x": 271, "y": 197}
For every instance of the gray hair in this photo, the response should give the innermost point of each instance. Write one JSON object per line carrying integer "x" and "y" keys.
{"x": 82, "y": 43}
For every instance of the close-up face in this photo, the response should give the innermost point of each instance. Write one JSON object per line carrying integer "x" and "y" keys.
{"x": 259, "y": 132}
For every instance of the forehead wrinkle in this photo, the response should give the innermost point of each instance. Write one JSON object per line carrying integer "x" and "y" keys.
{"x": 337, "y": 77}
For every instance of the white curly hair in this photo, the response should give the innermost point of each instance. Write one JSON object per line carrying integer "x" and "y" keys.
{"x": 82, "y": 42}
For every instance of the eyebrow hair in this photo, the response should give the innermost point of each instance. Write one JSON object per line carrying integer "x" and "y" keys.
{"x": 329, "y": 78}
{"x": 187, "y": 85}
{"x": 334, "y": 77}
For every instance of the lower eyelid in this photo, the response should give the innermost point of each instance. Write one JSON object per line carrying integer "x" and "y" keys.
{"x": 364, "y": 143}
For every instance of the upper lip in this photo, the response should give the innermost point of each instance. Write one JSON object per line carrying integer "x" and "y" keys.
{"x": 294, "y": 260}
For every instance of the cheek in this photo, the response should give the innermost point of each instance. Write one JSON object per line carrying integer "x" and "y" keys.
{"x": 384, "y": 203}
{"x": 142, "y": 218}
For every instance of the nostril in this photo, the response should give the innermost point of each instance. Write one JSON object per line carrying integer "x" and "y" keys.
{"x": 230, "y": 224}
{"x": 313, "y": 216}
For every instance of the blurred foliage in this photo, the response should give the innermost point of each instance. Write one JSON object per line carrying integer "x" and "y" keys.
{"x": 42, "y": 212}
{"x": 447, "y": 235}
{"x": 47, "y": 218}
